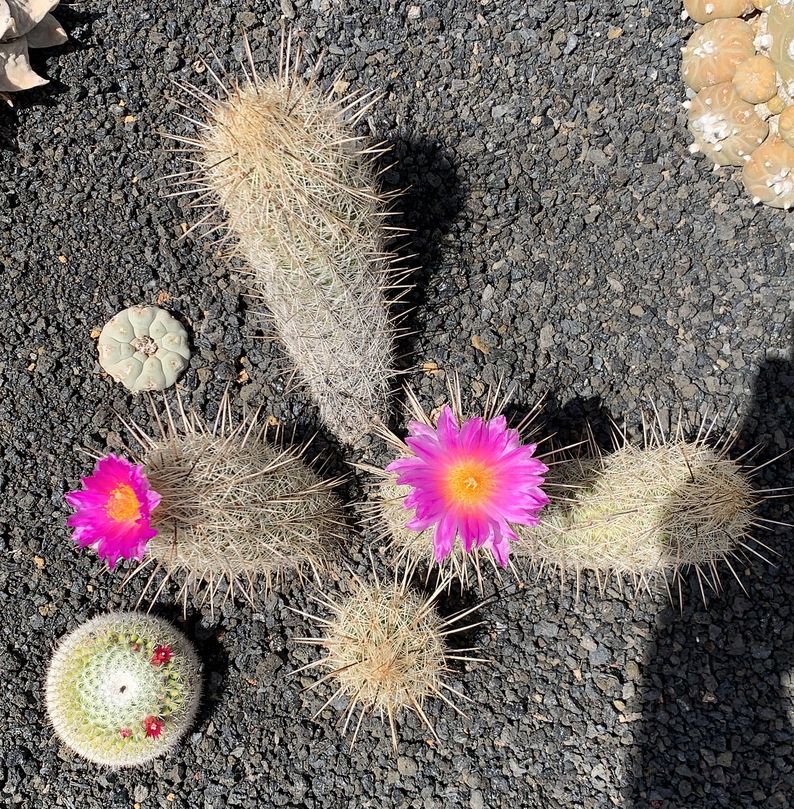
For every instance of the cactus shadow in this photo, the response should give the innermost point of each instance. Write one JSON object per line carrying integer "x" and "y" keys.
{"x": 565, "y": 428}
{"x": 717, "y": 725}
{"x": 423, "y": 171}
{"x": 214, "y": 659}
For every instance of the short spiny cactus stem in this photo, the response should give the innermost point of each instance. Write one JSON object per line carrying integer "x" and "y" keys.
{"x": 123, "y": 688}
{"x": 650, "y": 512}
{"x": 386, "y": 651}
{"x": 235, "y": 508}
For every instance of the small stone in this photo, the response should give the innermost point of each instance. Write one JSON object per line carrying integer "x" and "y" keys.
{"x": 406, "y": 766}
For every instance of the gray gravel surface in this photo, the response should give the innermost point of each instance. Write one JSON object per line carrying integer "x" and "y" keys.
{"x": 568, "y": 243}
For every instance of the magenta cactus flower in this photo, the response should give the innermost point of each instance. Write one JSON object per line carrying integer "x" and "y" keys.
{"x": 473, "y": 480}
{"x": 113, "y": 509}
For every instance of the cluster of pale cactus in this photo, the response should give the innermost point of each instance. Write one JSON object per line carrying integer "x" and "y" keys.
{"x": 297, "y": 195}
{"x": 739, "y": 72}
{"x": 25, "y": 24}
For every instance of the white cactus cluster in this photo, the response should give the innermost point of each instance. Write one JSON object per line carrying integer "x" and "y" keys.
{"x": 739, "y": 71}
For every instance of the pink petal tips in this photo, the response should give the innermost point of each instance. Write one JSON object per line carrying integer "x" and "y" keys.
{"x": 473, "y": 480}
{"x": 112, "y": 510}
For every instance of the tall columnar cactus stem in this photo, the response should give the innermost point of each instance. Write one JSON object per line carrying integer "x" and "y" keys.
{"x": 296, "y": 191}
{"x": 386, "y": 651}
{"x": 123, "y": 688}
{"x": 234, "y": 507}
{"x": 648, "y": 512}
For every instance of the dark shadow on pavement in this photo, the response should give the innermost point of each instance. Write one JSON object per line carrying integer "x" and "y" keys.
{"x": 717, "y": 728}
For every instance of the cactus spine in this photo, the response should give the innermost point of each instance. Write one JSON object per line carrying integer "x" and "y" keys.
{"x": 297, "y": 195}
{"x": 123, "y": 688}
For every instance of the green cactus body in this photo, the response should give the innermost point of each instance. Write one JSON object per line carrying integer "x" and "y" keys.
{"x": 123, "y": 688}
{"x": 299, "y": 199}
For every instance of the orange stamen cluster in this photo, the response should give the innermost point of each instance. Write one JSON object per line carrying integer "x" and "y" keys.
{"x": 469, "y": 483}
{"x": 123, "y": 504}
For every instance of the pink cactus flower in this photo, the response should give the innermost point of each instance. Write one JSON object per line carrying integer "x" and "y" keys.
{"x": 161, "y": 655}
{"x": 471, "y": 480}
{"x": 112, "y": 511}
{"x": 125, "y": 733}
{"x": 153, "y": 727}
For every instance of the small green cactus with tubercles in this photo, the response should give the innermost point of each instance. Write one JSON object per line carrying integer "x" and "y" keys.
{"x": 123, "y": 688}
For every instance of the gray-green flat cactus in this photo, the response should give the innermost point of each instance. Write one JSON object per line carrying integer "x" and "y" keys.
{"x": 144, "y": 347}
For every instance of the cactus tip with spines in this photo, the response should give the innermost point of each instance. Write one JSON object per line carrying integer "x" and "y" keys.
{"x": 385, "y": 648}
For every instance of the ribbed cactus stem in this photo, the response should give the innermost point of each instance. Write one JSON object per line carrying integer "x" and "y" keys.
{"x": 646, "y": 512}
{"x": 297, "y": 194}
{"x": 235, "y": 507}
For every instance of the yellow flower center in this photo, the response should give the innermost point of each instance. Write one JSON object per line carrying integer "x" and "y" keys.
{"x": 469, "y": 484}
{"x": 123, "y": 505}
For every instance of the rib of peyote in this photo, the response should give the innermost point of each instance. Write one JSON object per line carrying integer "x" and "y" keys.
{"x": 234, "y": 507}
{"x": 386, "y": 651}
{"x": 123, "y": 688}
{"x": 296, "y": 192}
{"x": 649, "y": 511}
